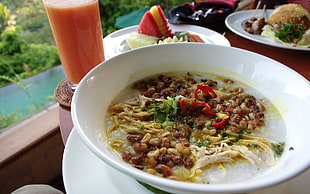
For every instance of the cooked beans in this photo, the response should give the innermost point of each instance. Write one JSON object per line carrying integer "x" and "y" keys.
{"x": 164, "y": 170}
{"x": 159, "y": 152}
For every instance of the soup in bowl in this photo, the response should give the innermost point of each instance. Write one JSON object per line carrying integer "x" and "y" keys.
{"x": 196, "y": 118}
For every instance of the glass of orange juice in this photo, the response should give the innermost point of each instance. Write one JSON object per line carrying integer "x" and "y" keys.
{"x": 76, "y": 29}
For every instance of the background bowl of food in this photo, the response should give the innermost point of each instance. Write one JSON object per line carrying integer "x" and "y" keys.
{"x": 205, "y": 118}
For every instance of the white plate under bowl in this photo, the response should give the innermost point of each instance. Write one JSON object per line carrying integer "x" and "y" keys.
{"x": 115, "y": 43}
{"x": 234, "y": 23}
{"x": 84, "y": 172}
{"x": 286, "y": 89}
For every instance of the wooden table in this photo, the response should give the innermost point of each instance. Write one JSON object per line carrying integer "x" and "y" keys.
{"x": 297, "y": 60}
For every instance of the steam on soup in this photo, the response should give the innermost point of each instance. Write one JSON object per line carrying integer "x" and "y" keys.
{"x": 194, "y": 128}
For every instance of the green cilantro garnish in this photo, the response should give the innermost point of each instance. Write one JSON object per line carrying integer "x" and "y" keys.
{"x": 141, "y": 127}
{"x": 164, "y": 110}
{"x": 290, "y": 32}
{"x": 278, "y": 148}
{"x": 252, "y": 145}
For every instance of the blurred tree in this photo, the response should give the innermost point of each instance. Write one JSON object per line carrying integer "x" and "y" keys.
{"x": 20, "y": 58}
{"x": 4, "y": 17}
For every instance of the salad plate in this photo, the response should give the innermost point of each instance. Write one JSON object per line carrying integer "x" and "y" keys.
{"x": 84, "y": 172}
{"x": 234, "y": 23}
{"x": 115, "y": 43}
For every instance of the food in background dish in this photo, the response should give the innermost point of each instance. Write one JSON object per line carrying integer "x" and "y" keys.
{"x": 184, "y": 126}
{"x": 154, "y": 28}
{"x": 288, "y": 34}
{"x": 155, "y": 23}
{"x": 290, "y": 13}
{"x": 254, "y": 25}
{"x": 288, "y": 24}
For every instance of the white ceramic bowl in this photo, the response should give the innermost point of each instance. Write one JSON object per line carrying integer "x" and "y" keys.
{"x": 288, "y": 90}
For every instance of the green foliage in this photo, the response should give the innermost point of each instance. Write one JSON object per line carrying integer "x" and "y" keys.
{"x": 8, "y": 119}
{"x": 10, "y": 48}
{"x": 11, "y": 42}
{"x": 165, "y": 4}
{"x": 4, "y": 17}
{"x": 30, "y": 17}
{"x": 39, "y": 57}
{"x": 34, "y": 23}
{"x": 24, "y": 59}
{"x": 110, "y": 10}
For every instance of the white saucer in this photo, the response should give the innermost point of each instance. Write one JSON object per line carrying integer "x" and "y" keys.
{"x": 115, "y": 43}
{"x": 84, "y": 172}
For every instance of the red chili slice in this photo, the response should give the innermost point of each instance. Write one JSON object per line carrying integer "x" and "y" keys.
{"x": 219, "y": 124}
{"x": 208, "y": 112}
{"x": 222, "y": 123}
{"x": 206, "y": 91}
{"x": 190, "y": 105}
{"x": 183, "y": 105}
{"x": 201, "y": 104}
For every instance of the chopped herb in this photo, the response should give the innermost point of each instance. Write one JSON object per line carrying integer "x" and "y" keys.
{"x": 291, "y": 148}
{"x": 167, "y": 124}
{"x": 196, "y": 126}
{"x": 278, "y": 148}
{"x": 240, "y": 135}
{"x": 225, "y": 134}
{"x": 252, "y": 145}
{"x": 290, "y": 32}
{"x": 199, "y": 144}
{"x": 208, "y": 124}
{"x": 141, "y": 127}
{"x": 164, "y": 110}
{"x": 202, "y": 144}
{"x": 186, "y": 120}
{"x": 180, "y": 35}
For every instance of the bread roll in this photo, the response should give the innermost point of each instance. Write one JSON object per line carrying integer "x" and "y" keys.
{"x": 292, "y": 13}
